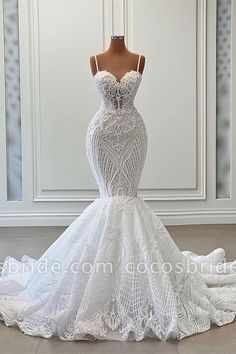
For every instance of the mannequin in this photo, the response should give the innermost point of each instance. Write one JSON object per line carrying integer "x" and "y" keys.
{"x": 117, "y": 59}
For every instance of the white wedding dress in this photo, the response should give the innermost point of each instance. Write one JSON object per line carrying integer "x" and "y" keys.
{"x": 118, "y": 274}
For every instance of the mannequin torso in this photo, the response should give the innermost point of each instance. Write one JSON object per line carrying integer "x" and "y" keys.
{"x": 117, "y": 59}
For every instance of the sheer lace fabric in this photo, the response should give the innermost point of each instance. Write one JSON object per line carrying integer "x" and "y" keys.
{"x": 116, "y": 137}
{"x": 134, "y": 296}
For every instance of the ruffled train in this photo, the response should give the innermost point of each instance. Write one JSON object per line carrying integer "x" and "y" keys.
{"x": 115, "y": 273}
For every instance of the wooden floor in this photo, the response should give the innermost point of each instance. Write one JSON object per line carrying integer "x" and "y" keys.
{"x": 200, "y": 239}
{"x": 217, "y": 340}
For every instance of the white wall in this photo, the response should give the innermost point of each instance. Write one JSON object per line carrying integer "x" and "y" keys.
{"x": 176, "y": 99}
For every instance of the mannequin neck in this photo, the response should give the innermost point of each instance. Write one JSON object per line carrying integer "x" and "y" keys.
{"x": 117, "y": 44}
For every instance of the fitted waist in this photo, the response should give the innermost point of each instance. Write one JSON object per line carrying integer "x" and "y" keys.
{"x": 123, "y": 110}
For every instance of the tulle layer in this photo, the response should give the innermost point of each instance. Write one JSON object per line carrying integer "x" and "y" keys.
{"x": 116, "y": 274}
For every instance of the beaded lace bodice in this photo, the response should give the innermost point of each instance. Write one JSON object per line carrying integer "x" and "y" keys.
{"x": 117, "y": 94}
{"x": 116, "y": 140}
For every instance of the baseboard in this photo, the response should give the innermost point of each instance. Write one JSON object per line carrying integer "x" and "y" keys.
{"x": 182, "y": 217}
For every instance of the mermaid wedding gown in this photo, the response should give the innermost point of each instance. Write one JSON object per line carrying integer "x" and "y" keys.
{"x": 115, "y": 273}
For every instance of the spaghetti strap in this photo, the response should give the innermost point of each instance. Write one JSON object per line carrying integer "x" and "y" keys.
{"x": 96, "y": 61}
{"x": 138, "y": 62}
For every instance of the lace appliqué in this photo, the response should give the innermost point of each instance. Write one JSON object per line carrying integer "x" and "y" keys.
{"x": 116, "y": 141}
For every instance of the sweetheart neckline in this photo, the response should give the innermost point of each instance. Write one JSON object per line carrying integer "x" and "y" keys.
{"x": 120, "y": 81}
